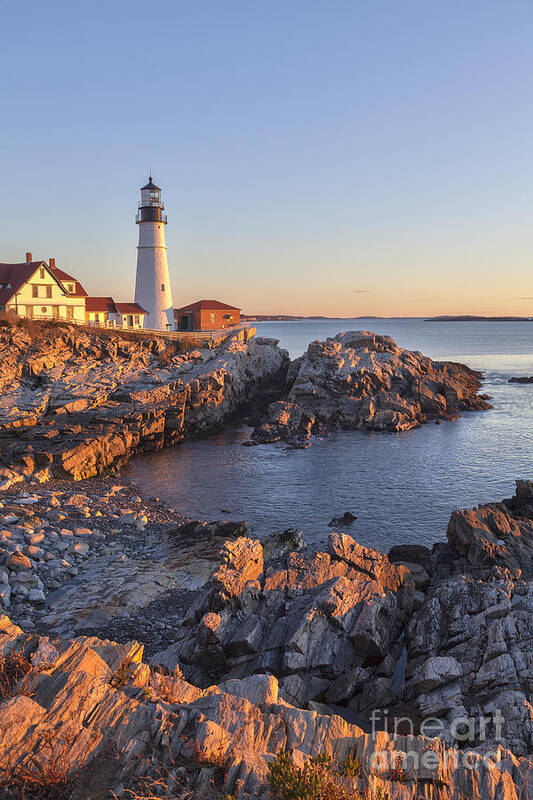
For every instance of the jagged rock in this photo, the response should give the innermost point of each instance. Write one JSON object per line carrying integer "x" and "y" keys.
{"x": 361, "y": 380}
{"x": 74, "y": 403}
{"x": 99, "y": 698}
{"x": 470, "y": 642}
{"x": 436, "y": 671}
{"x": 314, "y": 615}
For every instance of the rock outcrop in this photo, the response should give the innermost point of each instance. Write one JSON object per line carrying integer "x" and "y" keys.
{"x": 284, "y": 647}
{"x": 470, "y": 643}
{"x": 327, "y": 624}
{"x": 90, "y": 714}
{"x": 343, "y": 627}
{"x": 361, "y": 380}
{"x": 73, "y": 403}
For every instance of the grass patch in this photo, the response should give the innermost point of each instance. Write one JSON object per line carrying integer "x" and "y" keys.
{"x": 319, "y": 779}
{"x": 124, "y": 673}
{"x": 13, "y": 668}
{"x": 45, "y": 776}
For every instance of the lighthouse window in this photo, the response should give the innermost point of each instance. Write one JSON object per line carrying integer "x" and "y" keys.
{"x": 162, "y": 287}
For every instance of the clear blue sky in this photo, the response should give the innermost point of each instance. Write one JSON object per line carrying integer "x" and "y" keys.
{"x": 329, "y": 157}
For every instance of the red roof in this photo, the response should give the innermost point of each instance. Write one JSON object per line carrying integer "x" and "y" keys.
{"x": 64, "y": 277}
{"x": 105, "y": 304}
{"x": 14, "y": 276}
{"x": 207, "y": 305}
{"x": 130, "y": 308}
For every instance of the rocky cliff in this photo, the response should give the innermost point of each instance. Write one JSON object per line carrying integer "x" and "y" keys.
{"x": 361, "y": 380}
{"x": 86, "y": 718}
{"x": 73, "y": 403}
{"x": 283, "y": 647}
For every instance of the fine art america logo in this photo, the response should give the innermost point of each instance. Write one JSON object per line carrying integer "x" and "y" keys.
{"x": 464, "y": 738}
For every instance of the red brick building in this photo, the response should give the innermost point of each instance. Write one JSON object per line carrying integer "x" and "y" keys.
{"x": 206, "y": 315}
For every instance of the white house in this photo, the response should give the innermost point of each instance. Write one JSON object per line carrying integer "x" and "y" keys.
{"x": 104, "y": 311}
{"x": 38, "y": 290}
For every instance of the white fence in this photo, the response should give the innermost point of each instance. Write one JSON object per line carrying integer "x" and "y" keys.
{"x": 204, "y": 336}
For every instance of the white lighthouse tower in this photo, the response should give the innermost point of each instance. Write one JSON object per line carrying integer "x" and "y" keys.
{"x": 152, "y": 284}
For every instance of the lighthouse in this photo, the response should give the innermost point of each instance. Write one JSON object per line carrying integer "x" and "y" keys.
{"x": 152, "y": 284}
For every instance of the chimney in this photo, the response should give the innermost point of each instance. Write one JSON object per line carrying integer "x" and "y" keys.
{"x": 28, "y": 258}
{"x": 52, "y": 263}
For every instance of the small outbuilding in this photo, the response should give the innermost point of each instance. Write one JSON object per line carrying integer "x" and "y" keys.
{"x": 206, "y": 315}
{"x": 105, "y": 311}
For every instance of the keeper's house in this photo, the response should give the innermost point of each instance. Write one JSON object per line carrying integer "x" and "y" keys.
{"x": 38, "y": 290}
{"x": 105, "y": 312}
{"x": 206, "y": 315}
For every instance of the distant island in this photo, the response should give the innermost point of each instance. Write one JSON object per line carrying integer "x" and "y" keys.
{"x": 470, "y": 318}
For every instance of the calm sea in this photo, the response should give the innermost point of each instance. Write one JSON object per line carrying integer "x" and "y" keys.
{"x": 402, "y": 487}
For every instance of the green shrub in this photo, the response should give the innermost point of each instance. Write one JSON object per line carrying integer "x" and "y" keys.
{"x": 318, "y": 779}
{"x": 351, "y": 767}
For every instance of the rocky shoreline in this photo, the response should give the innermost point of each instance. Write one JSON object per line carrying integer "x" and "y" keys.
{"x": 75, "y": 404}
{"x": 275, "y": 634}
{"x": 251, "y": 648}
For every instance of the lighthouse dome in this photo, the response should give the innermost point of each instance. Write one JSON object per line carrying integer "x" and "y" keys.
{"x": 150, "y": 186}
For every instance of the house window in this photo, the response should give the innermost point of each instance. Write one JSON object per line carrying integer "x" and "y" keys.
{"x": 228, "y": 316}
{"x": 70, "y": 312}
{"x": 44, "y": 309}
{"x": 137, "y": 319}
{"x": 212, "y": 317}
{"x": 97, "y": 317}
{"x": 34, "y": 291}
{"x": 162, "y": 287}
{"x": 49, "y": 291}
{"x": 71, "y": 287}
{"x": 41, "y": 273}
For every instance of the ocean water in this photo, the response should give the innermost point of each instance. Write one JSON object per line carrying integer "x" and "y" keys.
{"x": 402, "y": 487}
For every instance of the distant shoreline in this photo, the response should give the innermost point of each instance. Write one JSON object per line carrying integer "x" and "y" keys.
{"x": 443, "y": 318}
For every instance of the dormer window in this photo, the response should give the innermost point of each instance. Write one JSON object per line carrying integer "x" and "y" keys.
{"x": 71, "y": 287}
